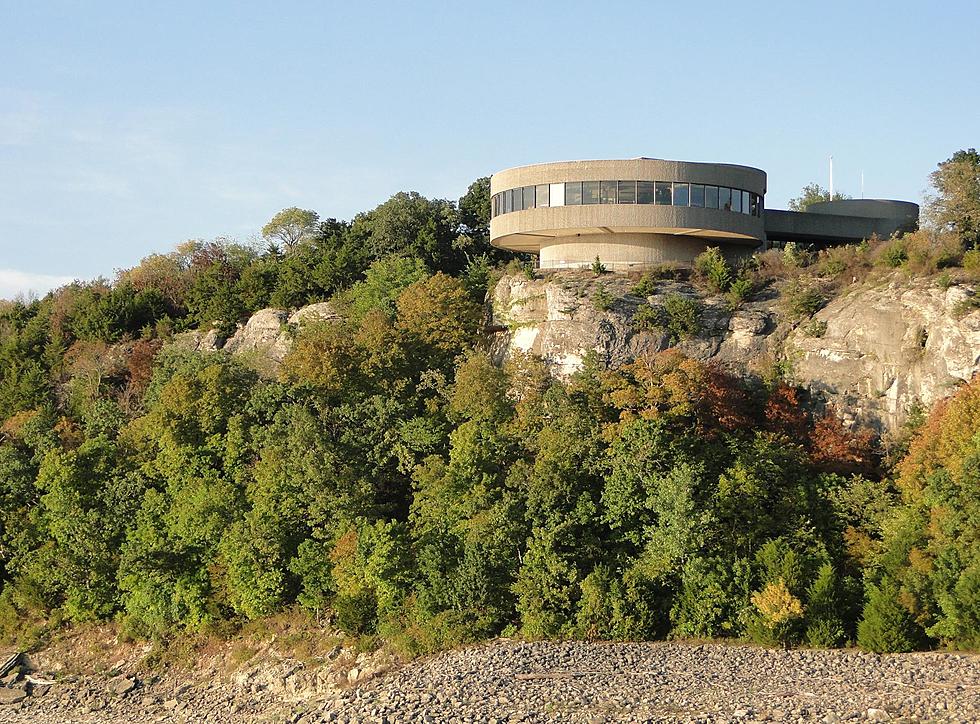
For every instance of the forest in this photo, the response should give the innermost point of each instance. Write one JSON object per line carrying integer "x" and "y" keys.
{"x": 392, "y": 481}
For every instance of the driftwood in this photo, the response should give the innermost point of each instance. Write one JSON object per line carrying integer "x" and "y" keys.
{"x": 9, "y": 662}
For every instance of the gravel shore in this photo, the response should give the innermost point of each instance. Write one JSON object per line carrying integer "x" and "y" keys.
{"x": 510, "y": 681}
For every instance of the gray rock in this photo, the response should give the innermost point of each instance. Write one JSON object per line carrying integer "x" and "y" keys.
{"x": 121, "y": 685}
{"x": 12, "y": 696}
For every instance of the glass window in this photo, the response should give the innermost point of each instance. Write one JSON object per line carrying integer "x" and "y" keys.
{"x": 627, "y": 192}
{"x": 590, "y": 192}
{"x": 541, "y": 195}
{"x": 556, "y": 193}
{"x": 508, "y": 201}
{"x": 745, "y": 202}
{"x": 493, "y": 206}
{"x": 607, "y": 192}
{"x": 697, "y": 195}
{"x": 711, "y": 197}
{"x": 528, "y": 197}
{"x": 664, "y": 196}
{"x": 682, "y": 194}
{"x": 724, "y": 198}
{"x": 518, "y": 199}
{"x": 644, "y": 192}
{"x": 754, "y": 201}
{"x": 573, "y": 193}
{"x": 736, "y": 201}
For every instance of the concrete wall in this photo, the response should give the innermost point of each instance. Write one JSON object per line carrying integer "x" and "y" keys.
{"x": 625, "y": 235}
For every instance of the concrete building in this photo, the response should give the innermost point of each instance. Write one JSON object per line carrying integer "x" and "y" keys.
{"x": 642, "y": 211}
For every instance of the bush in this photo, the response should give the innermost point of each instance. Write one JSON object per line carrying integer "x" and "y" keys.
{"x": 602, "y": 300}
{"x": 971, "y": 260}
{"x": 887, "y": 626}
{"x": 683, "y": 317}
{"x": 740, "y": 290}
{"x": 814, "y": 328}
{"x": 894, "y": 254}
{"x": 646, "y": 287}
{"x": 802, "y": 299}
{"x": 713, "y": 270}
{"x": 779, "y": 613}
{"x": 598, "y": 267}
{"x": 824, "y": 626}
{"x": 794, "y": 256}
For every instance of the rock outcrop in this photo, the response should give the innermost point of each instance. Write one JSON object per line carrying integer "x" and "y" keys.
{"x": 266, "y": 337}
{"x": 884, "y": 348}
{"x": 874, "y": 352}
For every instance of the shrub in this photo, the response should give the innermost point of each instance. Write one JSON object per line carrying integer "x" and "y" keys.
{"x": 824, "y": 626}
{"x": 803, "y": 299}
{"x": 779, "y": 612}
{"x": 971, "y": 260}
{"x": 598, "y": 267}
{"x": 683, "y": 316}
{"x": 713, "y": 270}
{"x": 894, "y": 254}
{"x": 814, "y": 328}
{"x": 602, "y": 300}
{"x": 794, "y": 256}
{"x": 740, "y": 290}
{"x": 646, "y": 287}
{"x": 648, "y": 317}
{"x": 887, "y": 626}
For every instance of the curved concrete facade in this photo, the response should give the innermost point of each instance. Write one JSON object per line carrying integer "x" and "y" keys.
{"x": 629, "y": 234}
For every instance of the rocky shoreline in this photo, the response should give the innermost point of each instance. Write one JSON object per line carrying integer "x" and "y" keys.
{"x": 512, "y": 681}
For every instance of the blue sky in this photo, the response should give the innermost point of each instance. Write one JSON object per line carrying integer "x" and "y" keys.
{"x": 128, "y": 127}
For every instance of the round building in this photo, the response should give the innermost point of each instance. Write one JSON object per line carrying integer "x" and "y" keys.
{"x": 630, "y": 213}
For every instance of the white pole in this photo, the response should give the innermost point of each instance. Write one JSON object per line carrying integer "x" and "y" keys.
{"x": 831, "y": 178}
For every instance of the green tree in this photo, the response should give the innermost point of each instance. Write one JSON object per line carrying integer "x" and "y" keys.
{"x": 955, "y": 201}
{"x": 291, "y": 226}
{"x": 813, "y": 193}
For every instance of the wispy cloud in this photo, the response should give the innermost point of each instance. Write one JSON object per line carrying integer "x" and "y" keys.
{"x": 14, "y": 283}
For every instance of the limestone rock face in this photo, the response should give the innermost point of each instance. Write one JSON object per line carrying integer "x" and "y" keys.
{"x": 265, "y": 338}
{"x": 886, "y": 346}
{"x": 261, "y": 334}
{"x": 890, "y": 346}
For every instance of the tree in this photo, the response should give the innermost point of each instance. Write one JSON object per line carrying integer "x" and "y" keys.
{"x": 474, "y": 214}
{"x": 291, "y": 226}
{"x": 956, "y": 202}
{"x": 814, "y": 193}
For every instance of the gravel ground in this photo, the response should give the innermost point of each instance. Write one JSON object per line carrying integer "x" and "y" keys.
{"x": 582, "y": 682}
{"x": 509, "y": 681}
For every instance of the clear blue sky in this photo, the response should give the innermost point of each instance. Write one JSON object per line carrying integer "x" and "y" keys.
{"x": 127, "y": 127}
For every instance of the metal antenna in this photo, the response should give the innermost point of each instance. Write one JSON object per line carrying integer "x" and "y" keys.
{"x": 862, "y": 183}
{"x": 831, "y": 178}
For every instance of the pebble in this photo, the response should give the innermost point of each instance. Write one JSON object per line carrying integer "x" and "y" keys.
{"x": 514, "y": 681}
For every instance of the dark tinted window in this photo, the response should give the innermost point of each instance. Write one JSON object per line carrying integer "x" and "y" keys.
{"x": 711, "y": 197}
{"x": 664, "y": 195}
{"x": 528, "y": 197}
{"x": 754, "y": 200}
{"x": 736, "y": 200}
{"x": 573, "y": 193}
{"x": 745, "y": 202}
{"x": 627, "y": 192}
{"x": 681, "y": 194}
{"x": 607, "y": 192}
{"x": 590, "y": 192}
{"x": 697, "y": 195}
{"x": 724, "y": 198}
{"x": 644, "y": 192}
{"x": 541, "y": 195}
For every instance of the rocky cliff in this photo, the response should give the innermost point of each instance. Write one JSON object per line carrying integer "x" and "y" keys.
{"x": 874, "y": 352}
